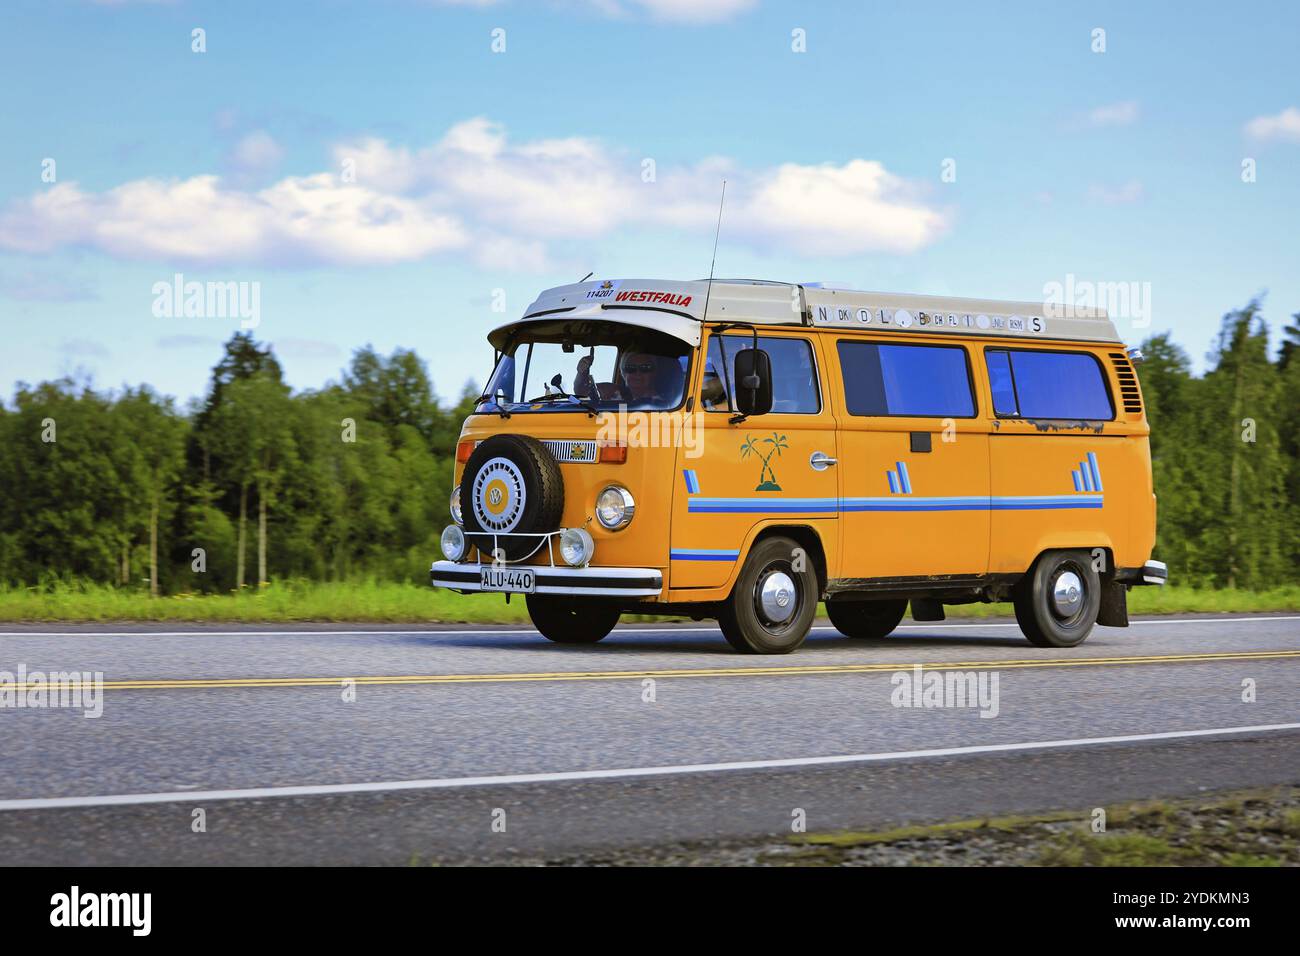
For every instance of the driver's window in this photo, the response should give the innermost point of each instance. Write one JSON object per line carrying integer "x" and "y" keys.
{"x": 795, "y": 388}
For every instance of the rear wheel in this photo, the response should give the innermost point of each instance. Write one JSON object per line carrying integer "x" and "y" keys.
{"x": 566, "y": 621}
{"x": 1057, "y": 601}
{"x": 771, "y": 608}
{"x": 866, "y": 619}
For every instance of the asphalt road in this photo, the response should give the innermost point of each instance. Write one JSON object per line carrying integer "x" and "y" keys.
{"x": 655, "y": 735}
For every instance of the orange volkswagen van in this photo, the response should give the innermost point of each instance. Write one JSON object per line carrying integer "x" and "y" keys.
{"x": 742, "y": 450}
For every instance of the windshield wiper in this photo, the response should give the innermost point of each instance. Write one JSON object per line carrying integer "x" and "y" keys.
{"x": 592, "y": 410}
{"x": 501, "y": 406}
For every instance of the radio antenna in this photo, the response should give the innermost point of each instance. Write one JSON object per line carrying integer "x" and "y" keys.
{"x": 717, "y": 232}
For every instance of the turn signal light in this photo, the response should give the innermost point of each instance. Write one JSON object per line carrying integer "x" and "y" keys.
{"x": 613, "y": 453}
{"x": 464, "y": 449}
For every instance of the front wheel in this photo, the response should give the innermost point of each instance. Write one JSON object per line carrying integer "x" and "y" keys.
{"x": 871, "y": 620}
{"x": 1057, "y": 601}
{"x": 566, "y": 621}
{"x": 772, "y": 606}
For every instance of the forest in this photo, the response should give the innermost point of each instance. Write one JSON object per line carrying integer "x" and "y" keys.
{"x": 256, "y": 483}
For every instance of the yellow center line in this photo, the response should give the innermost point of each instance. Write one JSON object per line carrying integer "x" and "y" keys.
{"x": 755, "y": 671}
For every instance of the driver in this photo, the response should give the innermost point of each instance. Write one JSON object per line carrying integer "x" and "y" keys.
{"x": 641, "y": 374}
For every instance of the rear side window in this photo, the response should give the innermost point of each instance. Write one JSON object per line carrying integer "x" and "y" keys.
{"x": 885, "y": 379}
{"x": 794, "y": 374}
{"x": 1034, "y": 384}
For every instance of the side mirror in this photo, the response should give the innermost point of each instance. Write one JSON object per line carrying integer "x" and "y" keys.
{"x": 753, "y": 382}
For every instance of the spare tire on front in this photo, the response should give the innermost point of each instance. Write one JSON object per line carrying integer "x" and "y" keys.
{"x": 511, "y": 487}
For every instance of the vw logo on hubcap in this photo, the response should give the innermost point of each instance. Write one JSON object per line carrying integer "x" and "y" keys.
{"x": 776, "y": 597}
{"x": 1067, "y": 594}
{"x": 499, "y": 495}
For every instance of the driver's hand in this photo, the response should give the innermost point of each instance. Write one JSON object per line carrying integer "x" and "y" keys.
{"x": 583, "y": 385}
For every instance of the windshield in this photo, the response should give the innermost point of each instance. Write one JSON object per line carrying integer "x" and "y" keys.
{"x": 562, "y": 366}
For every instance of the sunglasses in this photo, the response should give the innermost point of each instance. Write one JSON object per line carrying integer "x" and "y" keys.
{"x": 643, "y": 368}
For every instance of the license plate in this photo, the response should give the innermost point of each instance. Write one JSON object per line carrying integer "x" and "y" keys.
{"x": 515, "y": 580}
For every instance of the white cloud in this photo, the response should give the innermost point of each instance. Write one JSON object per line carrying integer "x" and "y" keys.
{"x": 476, "y": 193}
{"x": 840, "y": 210}
{"x": 667, "y": 11}
{"x": 1114, "y": 114}
{"x": 1284, "y": 126}
{"x": 694, "y": 11}
{"x": 298, "y": 220}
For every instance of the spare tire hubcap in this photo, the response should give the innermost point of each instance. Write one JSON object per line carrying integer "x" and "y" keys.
{"x": 499, "y": 495}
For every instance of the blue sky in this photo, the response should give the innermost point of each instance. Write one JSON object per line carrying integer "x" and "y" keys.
{"x": 479, "y": 178}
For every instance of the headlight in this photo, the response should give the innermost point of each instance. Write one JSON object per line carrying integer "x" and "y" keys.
{"x": 455, "y": 506}
{"x": 576, "y": 547}
{"x": 453, "y": 542}
{"x": 615, "y": 507}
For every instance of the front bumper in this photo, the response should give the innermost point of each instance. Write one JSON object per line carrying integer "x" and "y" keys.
{"x": 584, "y": 582}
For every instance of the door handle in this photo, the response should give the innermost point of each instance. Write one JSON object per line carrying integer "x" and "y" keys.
{"x": 821, "y": 461}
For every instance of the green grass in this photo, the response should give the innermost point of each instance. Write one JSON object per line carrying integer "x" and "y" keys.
{"x": 293, "y": 601}
{"x": 1247, "y": 828}
{"x": 409, "y": 603}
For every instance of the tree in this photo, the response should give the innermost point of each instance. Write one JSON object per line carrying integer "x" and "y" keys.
{"x": 251, "y": 435}
{"x": 1245, "y": 386}
{"x": 156, "y": 434}
{"x": 393, "y": 391}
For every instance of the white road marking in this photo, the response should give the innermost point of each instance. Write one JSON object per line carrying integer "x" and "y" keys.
{"x": 257, "y": 793}
{"x": 488, "y": 629}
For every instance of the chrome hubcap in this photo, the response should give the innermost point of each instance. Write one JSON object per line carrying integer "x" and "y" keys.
{"x": 777, "y": 597}
{"x": 1067, "y": 594}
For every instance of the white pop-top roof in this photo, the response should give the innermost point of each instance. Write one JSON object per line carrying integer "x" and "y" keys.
{"x": 678, "y": 309}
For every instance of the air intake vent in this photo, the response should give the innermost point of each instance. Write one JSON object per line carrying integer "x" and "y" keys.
{"x": 1129, "y": 394}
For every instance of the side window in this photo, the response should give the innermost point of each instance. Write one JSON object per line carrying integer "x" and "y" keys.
{"x": 1004, "y": 390}
{"x": 794, "y": 374}
{"x": 1066, "y": 385}
{"x": 884, "y": 379}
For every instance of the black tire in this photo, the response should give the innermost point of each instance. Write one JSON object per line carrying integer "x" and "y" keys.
{"x": 536, "y": 473}
{"x": 569, "y": 621}
{"x": 742, "y": 618}
{"x": 1041, "y": 616}
{"x": 870, "y": 620}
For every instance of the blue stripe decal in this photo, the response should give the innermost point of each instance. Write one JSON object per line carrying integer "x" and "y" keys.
{"x": 893, "y": 482}
{"x": 1096, "y": 472}
{"x": 702, "y": 554}
{"x": 832, "y": 505}
{"x": 740, "y": 505}
{"x": 692, "y": 481}
{"x": 1078, "y": 482}
{"x": 1087, "y": 476}
{"x": 902, "y": 474}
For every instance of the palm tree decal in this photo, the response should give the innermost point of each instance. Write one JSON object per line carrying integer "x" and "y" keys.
{"x": 752, "y": 445}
